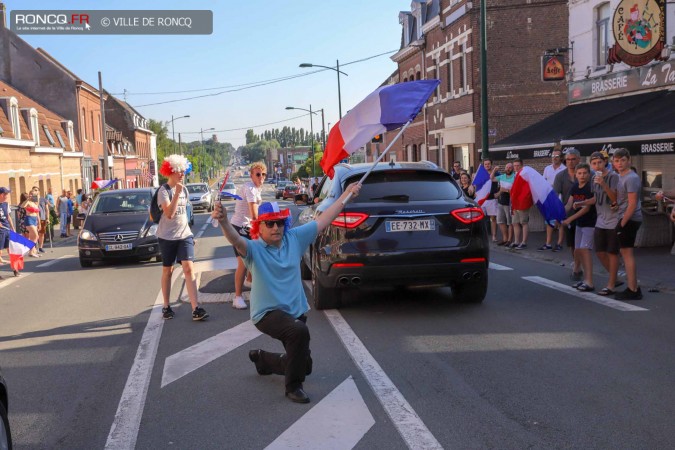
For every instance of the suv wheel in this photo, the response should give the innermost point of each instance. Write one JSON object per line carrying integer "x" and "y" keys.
{"x": 325, "y": 298}
{"x": 472, "y": 292}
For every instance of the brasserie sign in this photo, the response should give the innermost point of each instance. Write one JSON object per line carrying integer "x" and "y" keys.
{"x": 655, "y": 76}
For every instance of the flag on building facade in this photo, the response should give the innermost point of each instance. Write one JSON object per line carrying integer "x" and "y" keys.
{"x": 385, "y": 109}
{"x": 530, "y": 187}
{"x": 18, "y": 247}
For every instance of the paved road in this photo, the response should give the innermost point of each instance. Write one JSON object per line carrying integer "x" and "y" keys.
{"x": 536, "y": 365}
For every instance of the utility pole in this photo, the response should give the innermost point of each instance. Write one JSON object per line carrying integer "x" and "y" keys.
{"x": 106, "y": 169}
{"x": 311, "y": 130}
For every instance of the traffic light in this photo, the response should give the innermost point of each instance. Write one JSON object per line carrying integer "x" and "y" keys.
{"x": 377, "y": 139}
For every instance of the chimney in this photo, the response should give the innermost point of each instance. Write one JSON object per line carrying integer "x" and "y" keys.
{"x": 3, "y": 16}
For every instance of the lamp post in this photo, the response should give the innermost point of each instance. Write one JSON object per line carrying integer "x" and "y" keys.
{"x": 201, "y": 168}
{"x": 311, "y": 126}
{"x": 336, "y": 69}
{"x": 173, "y": 133}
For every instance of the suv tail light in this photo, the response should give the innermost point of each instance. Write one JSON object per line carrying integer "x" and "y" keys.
{"x": 468, "y": 215}
{"x": 349, "y": 220}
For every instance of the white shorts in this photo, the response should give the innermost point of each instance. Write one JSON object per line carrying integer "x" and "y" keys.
{"x": 584, "y": 237}
{"x": 490, "y": 207}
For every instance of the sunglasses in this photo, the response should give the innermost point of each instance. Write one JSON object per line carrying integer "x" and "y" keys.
{"x": 270, "y": 223}
{"x": 260, "y": 175}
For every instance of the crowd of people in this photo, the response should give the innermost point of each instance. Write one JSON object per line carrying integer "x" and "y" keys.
{"x": 602, "y": 201}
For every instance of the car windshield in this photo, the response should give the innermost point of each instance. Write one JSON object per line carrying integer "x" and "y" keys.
{"x": 403, "y": 186}
{"x": 121, "y": 203}
{"x": 197, "y": 189}
{"x": 229, "y": 186}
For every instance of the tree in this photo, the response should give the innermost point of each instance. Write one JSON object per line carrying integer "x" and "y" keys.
{"x": 250, "y": 137}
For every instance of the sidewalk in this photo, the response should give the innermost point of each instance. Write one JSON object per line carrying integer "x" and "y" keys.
{"x": 655, "y": 265}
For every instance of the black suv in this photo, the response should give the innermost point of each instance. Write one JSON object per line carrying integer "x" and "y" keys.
{"x": 5, "y": 434}
{"x": 410, "y": 226}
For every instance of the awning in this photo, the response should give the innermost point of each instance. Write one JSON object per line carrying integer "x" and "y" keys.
{"x": 630, "y": 121}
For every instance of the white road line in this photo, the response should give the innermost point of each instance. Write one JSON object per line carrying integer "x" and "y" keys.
{"x": 53, "y": 261}
{"x": 338, "y": 421}
{"x": 192, "y": 358}
{"x": 621, "y": 306}
{"x": 127, "y": 421}
{"x": 11, "y": 279}
{"x": 495, "y": 266}
{"x": 405, "y": 419}
{"x": 203, "y": 229}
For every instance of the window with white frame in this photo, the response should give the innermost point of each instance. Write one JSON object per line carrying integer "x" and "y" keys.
{"x": 84, "y": 124}
{"x": 62, "y": 143}
{"x": 14, "y": 117}
{"x": 451, "y": 77}
{"x": 71, "y": 134}
{"x": 48, "y": 134}
{"x": 601, "y": 34}
{"x": 438, "y": 77}
{"x": 34, "y": 130}
{"x": 462, "y": 68}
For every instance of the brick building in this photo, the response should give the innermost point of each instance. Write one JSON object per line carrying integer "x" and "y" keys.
{"x": 440, "y": 39}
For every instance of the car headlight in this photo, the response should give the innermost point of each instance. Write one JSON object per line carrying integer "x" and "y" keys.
{"x": 152, "y": 230}
{"x": 87, "y": 235}
{"x": 204, "y": 197}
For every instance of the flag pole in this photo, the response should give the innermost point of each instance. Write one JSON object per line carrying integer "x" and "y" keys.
{"x": 365, "y": 175}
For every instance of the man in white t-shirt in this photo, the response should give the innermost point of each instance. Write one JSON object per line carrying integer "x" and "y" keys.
{"x": 549, "y": 175}
{"x": 246, "y": 211}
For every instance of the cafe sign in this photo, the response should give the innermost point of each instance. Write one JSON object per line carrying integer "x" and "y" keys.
{"x": 654, "y": 76}
{"x": 639, "y": 28}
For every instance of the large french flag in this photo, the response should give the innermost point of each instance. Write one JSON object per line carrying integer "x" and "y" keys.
{"x": 385, "y": 109}
{"x": 530, "y": 187}
{"x": 483, "y": 184}
{"x": 18, "y": 246}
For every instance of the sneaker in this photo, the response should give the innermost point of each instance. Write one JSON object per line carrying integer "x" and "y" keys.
{"x": 557, "y": 248}
{"x": 522, "y": 246}
{"x": 239, "y": 303}
{"x": 627, "y": 294}
{"x": 41, "y": 250}
{"x": 512, "y": 245}
{"x": 167, "y": 313}
{"x": 545, "y": 247}
{"x": 247, "y": 284}
{"x": 199, "y": 313}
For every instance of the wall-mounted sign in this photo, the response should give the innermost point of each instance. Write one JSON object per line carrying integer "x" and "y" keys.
{"x": 639, "y": 28}
{"x": 529, "y": 153}
{"x": 655, "y": 76}
{"x": 648, "y": 147}
{"x": 552, "y": 68}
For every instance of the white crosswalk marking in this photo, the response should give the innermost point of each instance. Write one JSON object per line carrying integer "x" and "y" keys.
{"x": 621, "y": 306}
{"x": 53, "y": 261}
{"x": 409, "y": 425}
{"x": 495, "y": 266}
{"x": 192, "y": 358}
{"x": 338, "y": 421}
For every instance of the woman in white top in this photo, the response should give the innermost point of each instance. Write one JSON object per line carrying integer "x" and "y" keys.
{"x": 245, "y": 211}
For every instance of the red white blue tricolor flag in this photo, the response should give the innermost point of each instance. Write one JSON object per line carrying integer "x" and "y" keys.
{"x": 531, "y": 187}
{"x": 385, "y": 109}
{"x": 483, "y": 184}
{"x": 102, "y": 184}
{"x": 18, "y": 246}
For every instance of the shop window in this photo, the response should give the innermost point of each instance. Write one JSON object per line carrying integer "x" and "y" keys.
{"x": 652, "y": 180}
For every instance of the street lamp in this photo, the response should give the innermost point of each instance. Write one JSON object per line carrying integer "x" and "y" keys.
{"x": 336, "y": 69}
{"x": 201, "y": 168}
{"x": 173, "y": 134}
{"x": 311, "y": 126}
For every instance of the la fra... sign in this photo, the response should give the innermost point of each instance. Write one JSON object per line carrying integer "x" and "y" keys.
{"x": 667, "y": 76}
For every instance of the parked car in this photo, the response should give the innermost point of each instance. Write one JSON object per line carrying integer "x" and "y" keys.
{"x": 280, "y": 188}
{"x": 229, "y": 188}
{"x": 201, "y": 196}
{"x": 5, "y": 433}
{"x": 289, "y": 191}
{"x": 118, "y": 226}
{"x": 409, "y": 226}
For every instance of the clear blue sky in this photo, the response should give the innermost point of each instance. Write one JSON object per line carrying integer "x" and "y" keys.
{"x": 253, "y": 40}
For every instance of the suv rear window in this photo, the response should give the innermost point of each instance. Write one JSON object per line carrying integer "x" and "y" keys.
{"x": 406, "y": 186}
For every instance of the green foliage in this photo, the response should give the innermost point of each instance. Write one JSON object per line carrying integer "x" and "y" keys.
{"x": 257, "y": 150}
{"x": 305, "y": 171}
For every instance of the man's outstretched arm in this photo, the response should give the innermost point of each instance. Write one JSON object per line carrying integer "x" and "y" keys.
{"x": 333, "y": 210}
{"x": 230, "y": 233}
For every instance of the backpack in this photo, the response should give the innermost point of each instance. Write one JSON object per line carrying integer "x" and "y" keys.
{"x": 156, "y": 211}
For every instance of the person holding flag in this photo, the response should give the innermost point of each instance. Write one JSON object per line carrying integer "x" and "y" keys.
{"x": 6, "y": 224}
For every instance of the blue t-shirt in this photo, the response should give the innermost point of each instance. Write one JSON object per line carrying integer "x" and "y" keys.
{"x": 4, "y": 215}
{"x": 276, "y": 273}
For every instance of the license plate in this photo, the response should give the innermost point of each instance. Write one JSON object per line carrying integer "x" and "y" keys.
{"x": 113, "y": 247}
{"x": 393, "y": 226}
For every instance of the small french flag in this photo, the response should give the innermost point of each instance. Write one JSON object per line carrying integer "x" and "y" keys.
{"x": 18, "y": 247}
{"x": 483, "y": 184}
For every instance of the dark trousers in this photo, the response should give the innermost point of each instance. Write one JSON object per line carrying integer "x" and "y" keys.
{"x": 294, "y": 335}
